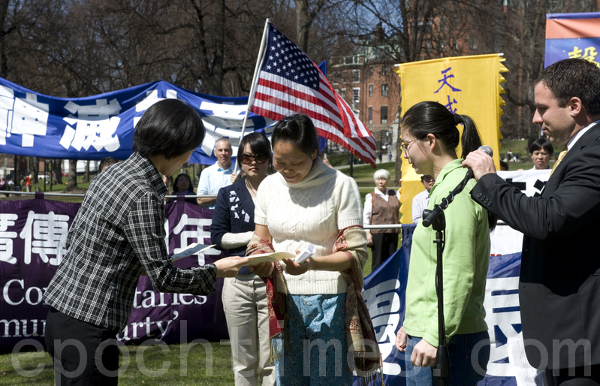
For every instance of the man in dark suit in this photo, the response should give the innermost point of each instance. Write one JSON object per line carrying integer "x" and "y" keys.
{"x": 559, "y": 289}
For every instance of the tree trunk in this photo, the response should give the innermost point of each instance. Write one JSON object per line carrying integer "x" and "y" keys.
{"x": 3, "y": 62}
{"x": 86, "y": 176}
{"x": 34, "y": 168}
{"x": 303, "y": 24}
{"x": 17, "y": 171}
{"x": 72, "y": 176}
{"x": 197, "y": 169}
{"x": 57, "y": 170}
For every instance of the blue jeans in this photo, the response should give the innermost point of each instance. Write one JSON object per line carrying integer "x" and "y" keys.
{"x": 468, "y": 357}
{"x": 319, "y": 347}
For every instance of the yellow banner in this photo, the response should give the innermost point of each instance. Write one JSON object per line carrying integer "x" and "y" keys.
{"x": 468, "y": 85}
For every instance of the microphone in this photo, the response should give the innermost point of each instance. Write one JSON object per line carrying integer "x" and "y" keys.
{"x": 430, "y": 215}
{"x": 487, "y": 150}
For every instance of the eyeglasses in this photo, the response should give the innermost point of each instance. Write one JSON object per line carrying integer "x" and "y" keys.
{"x": 259, "y": 158}
{"x": 406, "y": 145}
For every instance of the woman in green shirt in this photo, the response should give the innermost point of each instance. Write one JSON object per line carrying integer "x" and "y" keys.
{"x": 429, "y": 140}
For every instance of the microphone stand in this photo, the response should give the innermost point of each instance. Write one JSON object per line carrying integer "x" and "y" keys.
{"x": 437, "y": 220}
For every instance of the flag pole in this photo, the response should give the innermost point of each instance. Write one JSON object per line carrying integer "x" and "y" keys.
{"x": 253, "y": 86}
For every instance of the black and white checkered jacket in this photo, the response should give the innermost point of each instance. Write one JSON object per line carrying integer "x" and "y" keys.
{"x": 117, "y": 233}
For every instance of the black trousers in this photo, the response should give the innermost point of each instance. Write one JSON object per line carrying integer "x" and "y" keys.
{"x": 577, "y": 379}
{"x": 83, "y": 354}
{"x": 384, "y": 246}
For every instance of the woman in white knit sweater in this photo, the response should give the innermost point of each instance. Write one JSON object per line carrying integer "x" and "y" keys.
{"x": 319, "y": 300}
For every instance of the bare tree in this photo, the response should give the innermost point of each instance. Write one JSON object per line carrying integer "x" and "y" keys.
{"x": 518, "y": 31}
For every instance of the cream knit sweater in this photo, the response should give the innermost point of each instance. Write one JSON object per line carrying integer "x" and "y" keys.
{"x": 311, "y": 211}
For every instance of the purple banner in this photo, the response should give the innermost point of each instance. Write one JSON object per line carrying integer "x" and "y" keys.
{"x": 32, "y": 243}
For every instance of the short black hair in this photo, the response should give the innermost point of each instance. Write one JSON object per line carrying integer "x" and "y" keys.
{"x": 541, "y": 143}
{"x": 569, "y": 78}
{"x": 106, "y": 162}
{"x": 170, "y": 128}
{"x": 299, "y": 130}
{"x": 259, "y": 144}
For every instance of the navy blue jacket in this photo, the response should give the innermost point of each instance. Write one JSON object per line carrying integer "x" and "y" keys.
{"x": 234, "y": 213}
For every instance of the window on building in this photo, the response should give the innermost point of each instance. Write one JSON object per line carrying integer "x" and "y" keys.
{"x": 429, "y": 27}
{"x": 384, "y": 89}
{"x": 370, "y": 90}
{"x": 370, "y": 115}
{"x": 343, "y": 94}
{"x": 355, "y": 76}
{"x": 384, "y": 114}
{"x": 384, "y": 70}
{"x": 473, "y": 43}
{"x": 335, "y": 78}
{"x": 348, "y": 60}
{"x": 442, "y": 45}
{"x": 356, "y": 94}
{"x": 428, "y": 44}
{"x": 371, "y": 71}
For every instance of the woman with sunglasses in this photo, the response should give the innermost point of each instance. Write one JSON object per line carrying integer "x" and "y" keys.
{"x": 429, "y": 140}
{"x": 244, "y": 296}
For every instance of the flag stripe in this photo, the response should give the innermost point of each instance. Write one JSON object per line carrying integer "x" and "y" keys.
{"x": 289, "y": 82}
{"x": 276, "y": 112}
{"x": 274, "y": 86}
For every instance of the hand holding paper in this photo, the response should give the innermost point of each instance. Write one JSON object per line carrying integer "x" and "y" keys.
{"x": 229, "y": 266}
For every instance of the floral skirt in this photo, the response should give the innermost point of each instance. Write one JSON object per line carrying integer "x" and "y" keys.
{"x": 317, "y": 352}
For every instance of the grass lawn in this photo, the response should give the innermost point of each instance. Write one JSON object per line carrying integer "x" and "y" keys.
{"x": 187, "y": 364}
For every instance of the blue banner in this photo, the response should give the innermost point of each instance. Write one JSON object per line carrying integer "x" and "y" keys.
{"x": 384, "y": 293}
{"x": 91, "y": 128}
{"x": 572, "y": 35}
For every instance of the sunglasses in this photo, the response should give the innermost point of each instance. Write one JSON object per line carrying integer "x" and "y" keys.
{"x": 259, "y": 158}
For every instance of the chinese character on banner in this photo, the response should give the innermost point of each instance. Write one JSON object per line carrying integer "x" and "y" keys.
{"x": 502, "y": 297}
{"x": 94, "y": 126}
{"x": 6, "y": 238}
{"x": 187, "y": 237}
{"x": 589, "y": 54}
{"x": 383, "y": 303}
{"x": 444, "y": 82}
{"x": 27, "y": 117}
{"x": 45, "y": 235}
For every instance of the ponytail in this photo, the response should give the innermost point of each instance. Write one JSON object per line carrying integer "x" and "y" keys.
{"x": 470, "y": 139}
{"x": 434, "y": 118}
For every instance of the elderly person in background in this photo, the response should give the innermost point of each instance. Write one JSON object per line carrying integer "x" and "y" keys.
{"x": 541, "y": 152}
{"x": 381, "y": 207}
{"x": 421, "y": 200}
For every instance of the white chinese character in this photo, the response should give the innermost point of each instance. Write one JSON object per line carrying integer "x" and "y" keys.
{"x": 188, "y": 237}
{"x": 26, "y": 116}
{"x": 6, "y": 243}
{"x": 383, "y": 303}
{"x": 94, "y": 126}
{"x": 45, "y": 235}
{"x": 497, "y": 299}
{"x": 151, "y": 98}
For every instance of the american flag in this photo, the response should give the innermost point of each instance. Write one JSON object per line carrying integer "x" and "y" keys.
{"x": 289, "y": 82}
